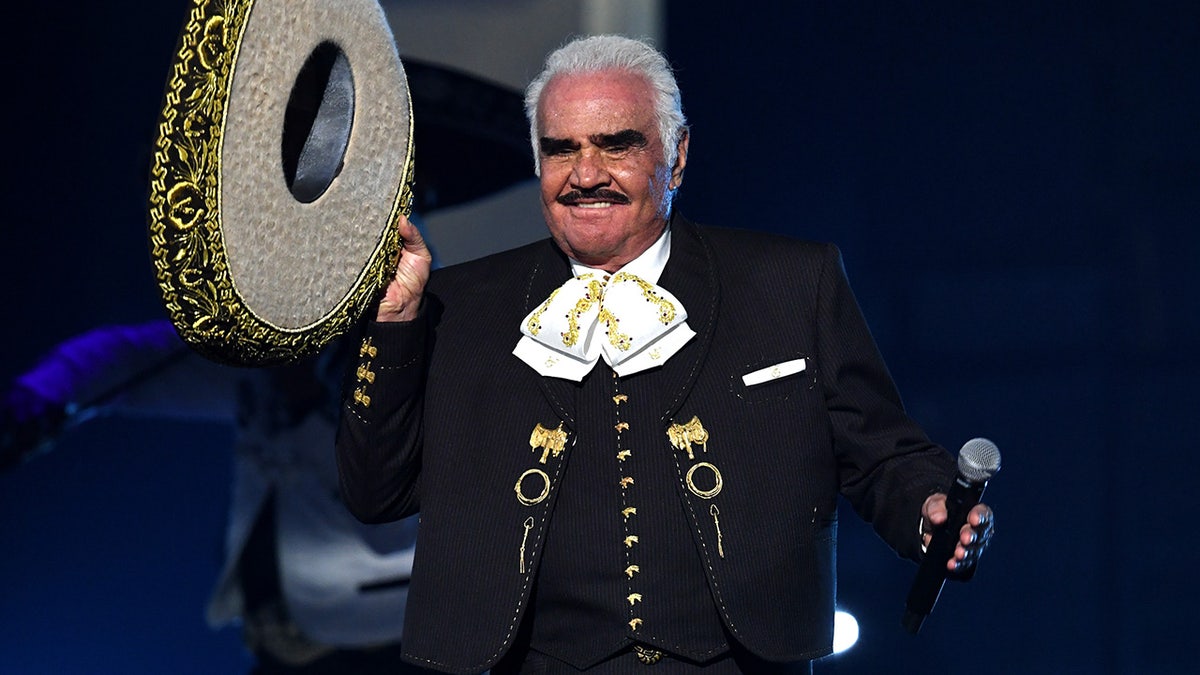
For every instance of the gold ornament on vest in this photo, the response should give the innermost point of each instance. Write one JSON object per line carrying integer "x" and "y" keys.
{"x": 531, "y": 501}
{"x": 684, "y": 435}
{"x": 645, "y": 654}
{"x": 718, "y": 482}
{"x": 549, "y": 441}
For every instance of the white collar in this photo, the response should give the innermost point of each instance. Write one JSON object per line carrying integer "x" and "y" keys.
{"x": 649, "y": 265}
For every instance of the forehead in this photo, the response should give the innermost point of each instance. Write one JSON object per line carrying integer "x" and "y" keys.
{"x": 604, "y": 102}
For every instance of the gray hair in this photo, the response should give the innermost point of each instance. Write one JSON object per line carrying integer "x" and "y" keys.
{"x": 609, "y": 52}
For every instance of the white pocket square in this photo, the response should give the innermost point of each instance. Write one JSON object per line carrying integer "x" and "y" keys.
{"x": 773, "y": 372}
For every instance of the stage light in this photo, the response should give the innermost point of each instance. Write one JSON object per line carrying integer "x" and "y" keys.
{"x": 845, "y": 631}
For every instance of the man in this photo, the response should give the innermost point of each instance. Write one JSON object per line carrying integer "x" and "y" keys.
{"x": 648, "y": 472}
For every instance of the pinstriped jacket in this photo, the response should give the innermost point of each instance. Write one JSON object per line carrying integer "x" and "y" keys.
{"x": 442, "y": 426}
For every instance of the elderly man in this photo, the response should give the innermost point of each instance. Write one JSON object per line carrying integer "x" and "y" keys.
{"x": 626, "y": 442}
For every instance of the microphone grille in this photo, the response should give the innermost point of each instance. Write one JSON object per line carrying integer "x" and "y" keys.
{"x": 978, "y": 460}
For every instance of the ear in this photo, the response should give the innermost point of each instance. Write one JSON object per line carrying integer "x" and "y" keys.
{"x": 680, "y": 160}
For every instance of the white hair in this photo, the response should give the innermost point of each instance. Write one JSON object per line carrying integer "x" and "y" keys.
{"x": 613, "y": 52}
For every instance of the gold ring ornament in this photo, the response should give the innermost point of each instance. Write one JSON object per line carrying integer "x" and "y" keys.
{"x": 718, "y": 482}
{"x": 283, "y": 161}
{"x": 527, "y": 501}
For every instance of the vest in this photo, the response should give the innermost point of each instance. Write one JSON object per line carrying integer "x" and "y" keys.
{"x": 620, "y": 565}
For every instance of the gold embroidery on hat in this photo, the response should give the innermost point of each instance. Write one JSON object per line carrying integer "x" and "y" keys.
{"x": 684, "y": 435}
{"x": 549, "y": 441}
{"x": 632, "y": 570}
{"x": 633, "y": 598}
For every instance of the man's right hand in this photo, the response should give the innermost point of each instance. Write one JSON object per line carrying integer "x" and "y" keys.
{"x": 402, "y": 298}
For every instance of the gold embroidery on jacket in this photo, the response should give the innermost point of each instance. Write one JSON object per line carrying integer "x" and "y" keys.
{"x": 530, "y": 501}
{"x": 549, "y": 441}
{"x": 684, "y": 435}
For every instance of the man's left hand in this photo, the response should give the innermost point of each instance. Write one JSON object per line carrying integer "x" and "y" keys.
{"x": 973, "y": 538}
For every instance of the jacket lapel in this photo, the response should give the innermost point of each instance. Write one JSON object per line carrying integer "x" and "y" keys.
{"x": 691, "y": 276}
{"x": 550, "y": 269}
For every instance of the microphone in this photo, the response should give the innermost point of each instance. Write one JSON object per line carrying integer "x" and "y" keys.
{"x": 978, "y": 461}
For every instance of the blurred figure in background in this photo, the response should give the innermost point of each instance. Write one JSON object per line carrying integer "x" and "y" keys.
{"x": 315, "y": 590}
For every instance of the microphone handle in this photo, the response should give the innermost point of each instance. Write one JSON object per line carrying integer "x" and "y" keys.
{"x": 931, "y": 574}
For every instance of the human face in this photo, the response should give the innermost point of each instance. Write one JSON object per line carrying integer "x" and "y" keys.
{"x": 605, "y": 182}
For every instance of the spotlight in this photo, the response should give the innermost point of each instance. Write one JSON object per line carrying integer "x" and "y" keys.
{"x": 845, "y": 631}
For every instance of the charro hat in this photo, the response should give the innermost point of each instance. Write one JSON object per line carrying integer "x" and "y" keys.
{"x": 283, "y": 160}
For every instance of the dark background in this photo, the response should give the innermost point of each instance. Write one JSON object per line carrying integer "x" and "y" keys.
{"x": 1015, "y": 187}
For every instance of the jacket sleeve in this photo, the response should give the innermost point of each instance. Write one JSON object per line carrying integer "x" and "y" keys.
{"x": 887, "y": 466}
{"x": 380, "y": 434}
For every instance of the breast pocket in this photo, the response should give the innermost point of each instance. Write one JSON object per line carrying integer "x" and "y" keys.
{"x": 773, "y": 379}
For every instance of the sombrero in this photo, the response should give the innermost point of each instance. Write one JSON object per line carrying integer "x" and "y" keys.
{"x": 284, "y": 158}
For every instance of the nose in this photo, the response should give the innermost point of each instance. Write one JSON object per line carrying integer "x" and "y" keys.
{"x": 589, "y": 171}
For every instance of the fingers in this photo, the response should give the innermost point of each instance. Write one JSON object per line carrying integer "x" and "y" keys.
{"x": 973, "y": 538}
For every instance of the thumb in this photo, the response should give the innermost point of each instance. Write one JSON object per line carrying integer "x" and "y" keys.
{"x": 412, "y": 242}
{"x": 934, "y": 510}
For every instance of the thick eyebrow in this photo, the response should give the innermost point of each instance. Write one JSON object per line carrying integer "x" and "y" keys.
{"x": 629, "y": 138}
{"x": 554, "y": 146}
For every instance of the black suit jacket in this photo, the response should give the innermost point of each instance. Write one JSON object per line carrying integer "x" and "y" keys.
{"x": 440, "y": 417}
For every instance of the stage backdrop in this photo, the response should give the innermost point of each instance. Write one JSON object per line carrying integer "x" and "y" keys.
{"x": 1016, "y": 190}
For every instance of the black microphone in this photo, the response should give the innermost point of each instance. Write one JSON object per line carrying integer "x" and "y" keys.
{"x": 978, "y": 461}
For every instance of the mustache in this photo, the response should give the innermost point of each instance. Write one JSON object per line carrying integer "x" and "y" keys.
{"x": 598, "y": 194}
